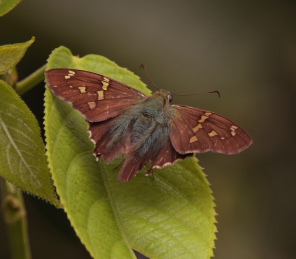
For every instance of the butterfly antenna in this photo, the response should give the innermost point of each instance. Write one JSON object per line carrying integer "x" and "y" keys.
{"x": 142, "y": 66}
{"x": 210, "y": 92}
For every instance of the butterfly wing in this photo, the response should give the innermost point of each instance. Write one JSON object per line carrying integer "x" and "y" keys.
{"x": 97, "y": 97}
{"x": 158, "y": 150}
{"x": 195, "y": 130}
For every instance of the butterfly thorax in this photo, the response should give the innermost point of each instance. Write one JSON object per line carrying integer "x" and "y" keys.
{"x": 143, "y": 128}
{"x": 156, "y": 106}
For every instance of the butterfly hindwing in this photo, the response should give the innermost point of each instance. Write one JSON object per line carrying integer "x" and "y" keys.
{"x": 168, "y": 156}
{"x": 96, "y": 96}
{"x": 100, "y": 134}
{"x": 160, "y": 155}
{"x": 195, "y": 130}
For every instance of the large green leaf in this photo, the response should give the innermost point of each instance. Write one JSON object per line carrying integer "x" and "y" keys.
{"x": 22, "y": 152}
{"x": 169, "y": 216}
{"x": 11, "y": 54}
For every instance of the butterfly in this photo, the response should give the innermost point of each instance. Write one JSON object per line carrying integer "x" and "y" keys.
{"x": 147, "y": 129}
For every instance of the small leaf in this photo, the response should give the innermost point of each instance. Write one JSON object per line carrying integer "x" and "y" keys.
{"x": 22, "y": 152}
{"x": 11, "y": 54}
{"x": 170, "y": 216}
{"x": 7, "y": 5}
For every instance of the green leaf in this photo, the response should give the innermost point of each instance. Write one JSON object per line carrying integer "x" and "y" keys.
{"x": 22, "y": 152}
{"x": 169, "y": 216}
{"x": 7, "y": 5}
{"x": 11, "y": 54}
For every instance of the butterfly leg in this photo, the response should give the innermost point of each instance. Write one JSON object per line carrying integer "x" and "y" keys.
{"x": 150, "y": 172}
{"x": 119, "y": 165}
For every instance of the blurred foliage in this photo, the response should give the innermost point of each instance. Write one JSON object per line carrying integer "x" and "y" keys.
{"x": 7, "y": 5}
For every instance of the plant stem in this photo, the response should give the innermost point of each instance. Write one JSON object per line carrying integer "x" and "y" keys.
{"x": 14, "y": 214}
{"x": 30, "y": 81}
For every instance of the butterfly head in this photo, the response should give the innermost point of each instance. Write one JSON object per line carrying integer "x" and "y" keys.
{"x": 165, "y": 94}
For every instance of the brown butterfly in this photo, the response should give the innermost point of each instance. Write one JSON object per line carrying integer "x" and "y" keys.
{"x": 146, "y": 129}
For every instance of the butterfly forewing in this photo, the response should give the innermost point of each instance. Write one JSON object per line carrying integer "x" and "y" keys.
{"x": 195, "y": 130}
{"x": 97, "y": 97}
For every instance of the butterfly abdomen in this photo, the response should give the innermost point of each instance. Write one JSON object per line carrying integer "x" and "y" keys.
{"x": 147, "y": 147}
{"x": 149, "y": 133}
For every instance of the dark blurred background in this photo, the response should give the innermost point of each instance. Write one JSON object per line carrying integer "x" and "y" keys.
{"x": 244, "y": 49}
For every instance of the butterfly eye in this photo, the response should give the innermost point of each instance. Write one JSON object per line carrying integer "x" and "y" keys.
{"x": 170, "y": 98}
{"x": 147, "y": 115}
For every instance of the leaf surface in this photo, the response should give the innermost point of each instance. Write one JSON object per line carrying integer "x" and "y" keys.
{"x": 7, "y": 5}
{"x": 22, "y": 152}
{"x": 11, "y": 54}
